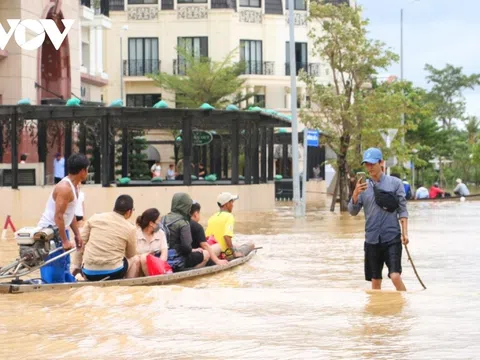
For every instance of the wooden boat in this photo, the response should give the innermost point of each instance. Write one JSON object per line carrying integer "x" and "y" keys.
{"x": 11, "y": 288}
{"x": 451, "y": 198}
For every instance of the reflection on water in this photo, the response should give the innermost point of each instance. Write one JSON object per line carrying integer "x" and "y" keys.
{"x": 301, "y": 297}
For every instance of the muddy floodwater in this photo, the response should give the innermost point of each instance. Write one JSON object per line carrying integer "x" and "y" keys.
{"x": 301, "y": 297}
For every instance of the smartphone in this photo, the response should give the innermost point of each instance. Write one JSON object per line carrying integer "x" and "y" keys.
{"x": 362, "y": 177}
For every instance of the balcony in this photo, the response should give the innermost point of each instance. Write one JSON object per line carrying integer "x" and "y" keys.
{"x": 141, "y": 67}
{"x": 259, "y": 68}
{"x": 102, "y": 9}
{"x": 312, "y": 69}
{"x": 180, "y": 66}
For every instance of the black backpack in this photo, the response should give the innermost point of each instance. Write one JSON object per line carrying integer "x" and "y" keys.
{"x": 387, "y": 200}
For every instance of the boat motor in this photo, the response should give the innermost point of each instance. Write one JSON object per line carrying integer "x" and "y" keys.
{"x": 35, "y": 244}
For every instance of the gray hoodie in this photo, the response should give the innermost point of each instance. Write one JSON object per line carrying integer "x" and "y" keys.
{"x": 180, "y": 237}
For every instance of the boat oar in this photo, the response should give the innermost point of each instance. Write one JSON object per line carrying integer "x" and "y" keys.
{"x": 414, "y": 269}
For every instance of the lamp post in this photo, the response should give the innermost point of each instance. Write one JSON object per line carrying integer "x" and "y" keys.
{"x": 402, "y": 120}
{"x": 122, "y": 29}
{"x": 293, "y": 105}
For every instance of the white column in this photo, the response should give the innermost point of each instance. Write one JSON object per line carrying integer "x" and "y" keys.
{"x": 99, "y": 50}
{"x": 288, "y": 97}
{"x": 251, "y": 89}
{"x": 93, "y": 60}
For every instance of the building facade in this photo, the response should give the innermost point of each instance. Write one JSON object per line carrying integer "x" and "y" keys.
{"x": 145, "y": 34}
{"x": 46, "y": 74}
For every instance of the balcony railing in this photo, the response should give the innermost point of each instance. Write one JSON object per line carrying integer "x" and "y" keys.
{"x": 141, "y": 67}
{"x": 299, "y": 66}
{"x": 117, "y": 5}
{"x": 254, "y": 67}
{"x": 224, "y": 4}
{"x": 167, "y": 4}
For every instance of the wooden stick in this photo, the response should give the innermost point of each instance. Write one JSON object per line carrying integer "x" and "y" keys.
{"x": 414, "y": 269}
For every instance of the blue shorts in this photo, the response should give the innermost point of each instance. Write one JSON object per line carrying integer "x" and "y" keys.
{"x": 97, "y": 275}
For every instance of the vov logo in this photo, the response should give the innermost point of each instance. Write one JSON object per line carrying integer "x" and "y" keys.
{"x": 39, "y": 28}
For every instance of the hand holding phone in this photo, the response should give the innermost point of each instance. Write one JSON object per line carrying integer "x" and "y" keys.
{"x": 361, "y": 185}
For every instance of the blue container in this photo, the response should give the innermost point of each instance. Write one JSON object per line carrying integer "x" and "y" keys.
{"x": 59, "y": 270}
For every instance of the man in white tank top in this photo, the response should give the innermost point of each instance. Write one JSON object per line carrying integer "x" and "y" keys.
{"x": 60, "y": 208}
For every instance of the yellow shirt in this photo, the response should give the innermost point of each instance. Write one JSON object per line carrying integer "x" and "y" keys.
{"x": 221, "y": 224}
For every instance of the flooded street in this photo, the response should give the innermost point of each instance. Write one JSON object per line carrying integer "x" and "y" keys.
{"x": 301, "y": 297}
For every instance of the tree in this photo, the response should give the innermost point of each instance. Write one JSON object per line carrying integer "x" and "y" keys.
{"x": 447, "y": 91}
{"x": 473, "y": 128}
{"x": 205, "y": 81}
{"x": 137, "y": 159}
{"x": 350, "y": 110}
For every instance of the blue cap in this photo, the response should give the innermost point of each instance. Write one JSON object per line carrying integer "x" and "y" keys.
{"x": 372, "y": 156}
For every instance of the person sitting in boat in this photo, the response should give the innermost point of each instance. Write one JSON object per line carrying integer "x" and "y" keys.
{"x": 435, "y": 192}
{"x": 60, "y": 213}
{"x": 110, "y": 248}
{"x": 421, "y": 193}
{"x": 220, "y": 226}
{"x": 461, "y": 189}
{"x": 199, "y": 239}
{"x": 181, "y": 256}
{"x": 151, "y": 239}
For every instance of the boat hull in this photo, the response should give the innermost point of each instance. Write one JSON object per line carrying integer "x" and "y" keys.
{"x": 452, "y": 198}
{"x": 9, "y": 288}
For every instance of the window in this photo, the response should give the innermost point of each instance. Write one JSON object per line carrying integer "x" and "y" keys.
{"x": 250, "y": 3}
{"x": 86, "y": 55}
{"x": 191, "y": 1}
{"x": 143, "y": 56}
{"x": 259, "y": 100}
{"x": 194, "y": 46}
{"x": 301, "y": 58}
{"x": 297, "y": 4}
{"x": 116, "y": 5}
{"x": 143, "y": 100}
{"x": 251, "y": 54}
{"x": 142, "y": 2}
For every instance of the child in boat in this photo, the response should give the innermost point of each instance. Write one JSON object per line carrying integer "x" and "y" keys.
{"x": 151, "y": 242}
{"x": 199, "y": 240}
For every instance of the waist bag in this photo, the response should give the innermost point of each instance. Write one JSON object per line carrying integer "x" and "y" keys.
{"x": 387, "y": 200}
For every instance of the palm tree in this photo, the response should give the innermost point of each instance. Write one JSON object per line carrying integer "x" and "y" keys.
{"x": 473, "y": 128}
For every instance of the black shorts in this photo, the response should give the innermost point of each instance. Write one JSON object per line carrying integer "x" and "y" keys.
{"x": 193, "y": 259}
{"x": 384, "y": 253}
{"x": 116, "y": 275}
{"x": 79, "y": 218}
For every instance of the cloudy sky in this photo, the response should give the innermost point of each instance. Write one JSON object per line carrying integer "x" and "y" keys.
{"x": 436, "y": 32}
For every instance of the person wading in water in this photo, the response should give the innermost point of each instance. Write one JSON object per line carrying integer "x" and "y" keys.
{"x": 383, "y": 201}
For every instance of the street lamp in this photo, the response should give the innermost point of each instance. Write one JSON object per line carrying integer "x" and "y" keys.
{"x": 123, "y": 29}
{"x": 293, "y": 96}
{"x": 401, "y": 62}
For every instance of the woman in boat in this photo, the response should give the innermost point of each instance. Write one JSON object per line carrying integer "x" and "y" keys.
{"x": 151, "y": 240}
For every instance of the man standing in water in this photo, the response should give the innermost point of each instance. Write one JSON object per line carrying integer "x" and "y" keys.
{"x": 383, "y": 236}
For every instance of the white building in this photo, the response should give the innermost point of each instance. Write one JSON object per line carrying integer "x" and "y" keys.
{"x": 94, "y": 25}
{"x": 145, "y": 33}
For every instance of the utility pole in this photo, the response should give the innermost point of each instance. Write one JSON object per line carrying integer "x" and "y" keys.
{"x": 293, "y": 105}
{"x": 401, "y": 69}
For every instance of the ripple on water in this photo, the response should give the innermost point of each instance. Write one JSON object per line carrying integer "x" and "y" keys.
{"x": 301, "y": 297}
